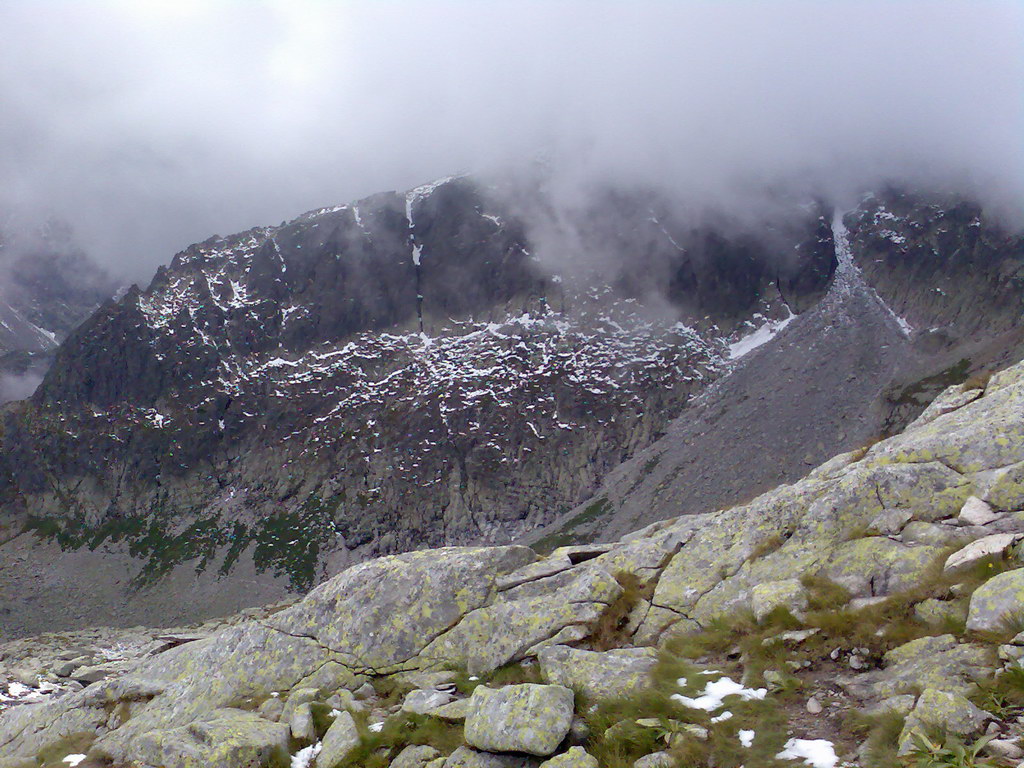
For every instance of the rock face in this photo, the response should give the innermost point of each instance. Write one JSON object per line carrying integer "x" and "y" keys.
{"x": 385, "y": 375}
{"x": 897, "y": 327}
{"x": 431, "y": 616}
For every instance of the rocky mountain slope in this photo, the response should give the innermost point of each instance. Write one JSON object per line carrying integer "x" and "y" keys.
{"x": 47, "y": 287}
{"x": 392, "y": 374}
{"x": 853, "y": 615}
{"x": 928, "y": 293}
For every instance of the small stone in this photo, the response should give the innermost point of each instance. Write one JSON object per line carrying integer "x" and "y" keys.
{"x": 364, "y": 692}
{"x": 774, "y": 680}
{"x": 575, "y": 757}
{"x": 814, "y": 706}
{"x": 455, "y": 711}
{"x": 25, "y": 676}
{"x": 937, "y": 612}
{"x": 985, "y": 548}
{"x": 415, "y": 757}
{"x": 1005, "y": 748}
{"x": 465, "y": 757}
{"x": 857, "y": 662}
{"x": 655, "y": 760}
{"x": 977, "y": 512}
{"x": 271, "y": 709}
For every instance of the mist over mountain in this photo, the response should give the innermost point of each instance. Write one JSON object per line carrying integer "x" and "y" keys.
{"x": 178, "y": 120}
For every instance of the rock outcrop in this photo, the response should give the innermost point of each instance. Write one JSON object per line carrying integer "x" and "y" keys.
{"x": 459, "y": 619}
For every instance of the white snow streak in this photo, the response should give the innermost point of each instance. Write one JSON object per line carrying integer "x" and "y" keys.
{"x": 762, "y": 335}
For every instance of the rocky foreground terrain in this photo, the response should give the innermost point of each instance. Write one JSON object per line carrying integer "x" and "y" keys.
{"x": 868, "y": 611}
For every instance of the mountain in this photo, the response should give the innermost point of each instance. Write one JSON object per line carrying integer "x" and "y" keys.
{"x": 857, "y": 615}
{"x": 448, "y": 366}
{"x": 369, "y": 378}
{"x": 927, "y": 294}
{"x": 47, "y": 287}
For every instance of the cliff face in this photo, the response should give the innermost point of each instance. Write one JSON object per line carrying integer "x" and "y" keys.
{"x": 392, "y": 374}
{"x": 928, "y": 293}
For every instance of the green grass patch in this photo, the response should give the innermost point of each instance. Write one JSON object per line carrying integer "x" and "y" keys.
{"x": 566, "y": 535}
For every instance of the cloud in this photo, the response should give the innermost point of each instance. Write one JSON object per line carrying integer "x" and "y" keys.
{"x": 150, "y": 125}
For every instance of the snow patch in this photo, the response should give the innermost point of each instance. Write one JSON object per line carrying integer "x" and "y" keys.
{"x": 746, "y": 738}
{"x": 818, "y": 753}
{"x": 304, "y": 757}
{"x": 762, "y": 335}
{"x": 73, "y": 760}
{"x": 715, "y": 693}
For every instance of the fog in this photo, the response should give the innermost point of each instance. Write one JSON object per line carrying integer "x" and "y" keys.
{"x": 151, "y": 125}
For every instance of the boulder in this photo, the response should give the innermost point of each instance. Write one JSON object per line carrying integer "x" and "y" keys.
{"x": 928, "y": 662}
{"x": 939, "y": 612}
{"x": 465, "y": 757}
{"x": 977, "y": 512}
{"x": 455, "y": 711}
{"x": 341, "y": 739}
{"x": 877, "y": 566}
{"x": 301, "y": 724}
{"x": 933, "y": 534}
{"x": 297, "y": 698}
{"x": 492, "y": 636}
{"x": 655, "y": 760}
{"x": 939, "y": 709}
{"x": 226, "y": 738}
{"x": 771, "y": 595}
{"x": 985, "y": 548}
{"x": 415, "y": 757}
{"x": 421, "y": 701}
{"x": 598, "y": 676}
{"x": 1004, "y": 487}
{"x": 999, "y": 599}
{"x": 519, "y": 718}
{"x": 576, "y": 757}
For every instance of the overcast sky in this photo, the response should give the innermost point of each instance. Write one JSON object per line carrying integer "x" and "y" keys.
{"x": 151, "y": 125}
